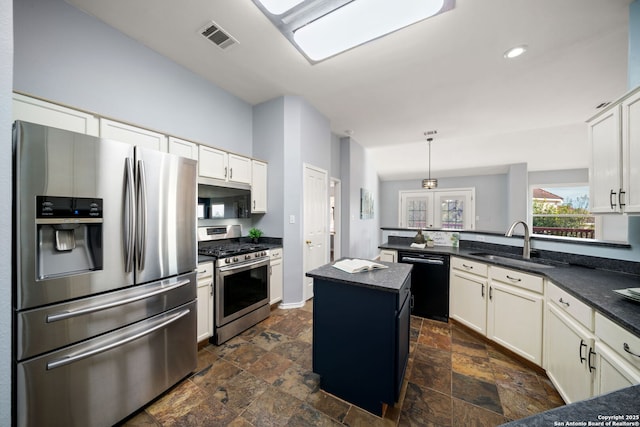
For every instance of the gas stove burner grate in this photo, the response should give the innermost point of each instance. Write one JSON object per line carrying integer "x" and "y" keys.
{"x": 230, "y": 249}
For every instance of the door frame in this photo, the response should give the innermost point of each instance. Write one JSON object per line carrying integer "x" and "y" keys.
{"x": 337, "y": 217}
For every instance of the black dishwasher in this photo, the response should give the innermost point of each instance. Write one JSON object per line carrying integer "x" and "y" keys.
{"x": 429, "y": 284}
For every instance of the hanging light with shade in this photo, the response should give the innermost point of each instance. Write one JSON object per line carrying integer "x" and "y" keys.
{"x": 429, "y": 183}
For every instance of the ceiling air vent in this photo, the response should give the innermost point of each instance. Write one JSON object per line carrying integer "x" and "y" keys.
{"x": 217, "y": 35}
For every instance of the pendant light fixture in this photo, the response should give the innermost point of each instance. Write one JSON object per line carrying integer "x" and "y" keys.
{"x": 429, "y": 183}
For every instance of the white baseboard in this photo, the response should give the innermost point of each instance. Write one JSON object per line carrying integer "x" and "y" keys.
{"x": 290, "y": 305}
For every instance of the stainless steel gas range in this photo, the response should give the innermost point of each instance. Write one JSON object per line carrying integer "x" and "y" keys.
{"x": 241, "y": 280}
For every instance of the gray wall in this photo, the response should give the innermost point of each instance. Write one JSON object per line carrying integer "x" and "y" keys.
{"x": 6, "y": 85}
{"x": 491, "y": 199}
{"x": 288, "y": 133}
{"x": 67, "y": 56}
{"x": 360, "y": 237}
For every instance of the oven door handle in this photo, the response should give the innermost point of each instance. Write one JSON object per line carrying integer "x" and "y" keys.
{"x": 92, "y": 309}
{"x": 243, "y": 265}
{"x": 413, "y": 260}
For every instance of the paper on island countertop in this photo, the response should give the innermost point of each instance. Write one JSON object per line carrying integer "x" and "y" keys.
{"x": 418, "y": 245}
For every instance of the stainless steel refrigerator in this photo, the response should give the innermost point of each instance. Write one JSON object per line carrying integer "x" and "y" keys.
{"x": 104, "y": 276}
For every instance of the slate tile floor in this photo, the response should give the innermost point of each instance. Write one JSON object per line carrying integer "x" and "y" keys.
{"x": 263, "y": 378}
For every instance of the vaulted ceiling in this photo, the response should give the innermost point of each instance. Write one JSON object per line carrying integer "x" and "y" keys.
{"x": 446, "y": 73}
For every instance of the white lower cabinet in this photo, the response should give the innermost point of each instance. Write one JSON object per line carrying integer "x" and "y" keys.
{"x": 388, "y": 255}
{"x": 570, "y": 356}
{"x": 618, "y": 356}
{"x": 468, "y": 293}
{"x": 276, "y": 280}
{"x": 515, "y": 311}
{"x": 205, "y": 301}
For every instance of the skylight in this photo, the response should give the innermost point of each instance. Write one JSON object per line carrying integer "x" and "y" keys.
{"x": 321, "y": 29}
{"x": 278, "y": 7}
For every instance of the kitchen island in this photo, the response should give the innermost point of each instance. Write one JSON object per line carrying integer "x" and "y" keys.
{"x": 361, "y": 333}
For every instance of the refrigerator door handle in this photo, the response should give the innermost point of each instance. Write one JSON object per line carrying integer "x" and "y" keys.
{"x": 92, "y": 309}
{"x": 142, "y": 215}
{"x": 130, "y": 217}
{"x": 76, "y": 357}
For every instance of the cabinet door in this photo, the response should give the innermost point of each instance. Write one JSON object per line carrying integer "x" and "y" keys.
{"x": 239, "y": 169}
{"x": 388, "y": 255}
{"x": 183, "y": 148}
{"x": 631, "y": 153}
{"x": 613, "y": 373}
{"x": 205, "y": 313}
{"x": 467, "y": 302}
{"x": 605, "y": 174}
{"x": 416, "y": 209}
{"x": 514, "y": 320}
{"x": 568, "y": 348}
{"x": 45, "y": 113}
{"x": 212, "y": 163}
{"x": 258, "y": 187}
{"x": 133, "y": 135}
{"x": 454, "y": 210}
{"x": 275, "y": 285}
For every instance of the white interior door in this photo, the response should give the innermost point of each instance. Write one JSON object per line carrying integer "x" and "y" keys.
{"x": 316, "y": 217}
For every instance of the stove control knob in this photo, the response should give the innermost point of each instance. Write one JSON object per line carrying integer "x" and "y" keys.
{"x": 247, "y": 257}
{"x": 227, "y": 261}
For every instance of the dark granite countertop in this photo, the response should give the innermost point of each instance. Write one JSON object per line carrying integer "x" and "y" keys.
{"x": 592, "y": 286}
{"x": 591, "y": 412}
{"x": 387, "y": 279}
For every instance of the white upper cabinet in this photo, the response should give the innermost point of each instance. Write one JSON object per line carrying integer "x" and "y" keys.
{"x": 212, "y": 163}
{"x": 631, "y": 153}
{"x": 258, "y": 187}
{"x": 218, "y": 164}
{"x": 133, "y": 135}
{"x": 452, "y": 209}
{"x": 239, "y": 169}
{"x": 183, "y": 148}
{"x": 614, "y": 175}
{"x": 45, "y": 113}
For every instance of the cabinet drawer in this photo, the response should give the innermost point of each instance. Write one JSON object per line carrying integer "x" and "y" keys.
{"x": 469, "y": 266}
{"x": 205, "y": 269}
{"x": 275, "y": 253}
{"x": 516, "y": 278}
{"x": 571, "y": 305}
{"x": 619, "y": 339}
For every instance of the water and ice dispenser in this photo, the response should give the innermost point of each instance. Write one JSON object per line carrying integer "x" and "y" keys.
{"x": 69, "y": 233}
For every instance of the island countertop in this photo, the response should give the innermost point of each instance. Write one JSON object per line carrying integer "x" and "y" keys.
{"x": 388, "y": 279}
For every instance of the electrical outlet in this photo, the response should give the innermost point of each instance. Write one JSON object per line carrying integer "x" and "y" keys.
{"x": 292, "y": 219}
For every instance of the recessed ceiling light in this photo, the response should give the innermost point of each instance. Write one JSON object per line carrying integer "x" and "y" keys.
{"x": 278, "y": 7}
{"x": 514, "y": 52}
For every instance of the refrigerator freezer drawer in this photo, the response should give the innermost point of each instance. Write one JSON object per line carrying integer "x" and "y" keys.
{"x": 103, "y": 380}
{"x": 55, "y": 326}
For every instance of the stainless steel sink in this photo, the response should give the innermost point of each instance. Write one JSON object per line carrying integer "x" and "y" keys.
{"x": 512, "y": 261}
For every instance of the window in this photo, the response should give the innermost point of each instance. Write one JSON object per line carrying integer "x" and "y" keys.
{"x": 562, "y": 211}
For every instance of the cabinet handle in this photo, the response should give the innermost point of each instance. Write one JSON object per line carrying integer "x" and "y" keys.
{"x": 591, "y": 352}
{"x": 491, "y": 292}
{"x": 611, "y": 196}
{"x": 514, "y": 279}
{"x": 468, "y": 267}
{"x": 564, "y": 302}
{"x": 621, "y": 198}
{"x": 482, "y": 292}
{"x": 254, "y": 205}
{"x": 412, "y": 301}
{"x": 230, "y": 173}
{"x": 628, "y": 350}
{"x": 225, "y": 171}
{"x": 582, "y": 344}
